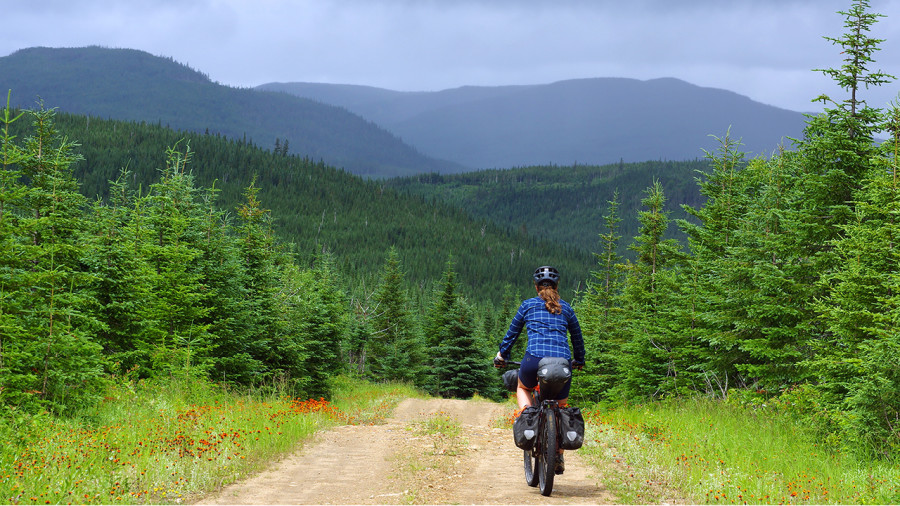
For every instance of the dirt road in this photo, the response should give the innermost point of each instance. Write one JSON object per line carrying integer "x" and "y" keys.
{"x": 395, "y": 463}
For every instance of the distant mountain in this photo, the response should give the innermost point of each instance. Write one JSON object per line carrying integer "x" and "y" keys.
{"x": 590, "y": 121}
{"x": 133, "y": 85}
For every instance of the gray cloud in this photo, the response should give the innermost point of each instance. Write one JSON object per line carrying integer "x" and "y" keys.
{"x": 764, "y": 49}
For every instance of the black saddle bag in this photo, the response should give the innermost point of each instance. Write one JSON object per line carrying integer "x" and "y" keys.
{"x": 511, "y": 380}
{"x": 525, "y": 428}
{"x": 553, "y": 374}
{"x": 571, "y": 428}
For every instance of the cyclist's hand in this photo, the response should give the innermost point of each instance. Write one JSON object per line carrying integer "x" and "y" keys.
{"x": 499, "y": 361}
{"x": 577, "y": 365}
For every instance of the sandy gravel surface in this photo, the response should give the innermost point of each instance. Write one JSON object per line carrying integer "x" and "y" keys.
{"x": 394, "y": 463}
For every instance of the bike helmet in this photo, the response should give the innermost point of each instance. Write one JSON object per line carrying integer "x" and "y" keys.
{"x": 546, "y": 273}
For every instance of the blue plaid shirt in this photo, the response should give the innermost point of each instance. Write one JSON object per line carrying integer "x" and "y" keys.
{"x": 546, "y": 331}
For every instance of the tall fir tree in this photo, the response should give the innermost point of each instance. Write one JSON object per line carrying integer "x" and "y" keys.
{"x": 711, "y": 239}
{"x": 50, "y": 356}
{"x": 651, "y": 361}
{"x": 14, "y": 382}
{"x": 172, "y": 227}
{"x": 315, "y": 316}
{"x": 858, "y": 362}
{"x": 599, "y": 314}
{"x": 121, "y": 283}
{"x": 458, "y": 362}
{"x": 395, "y": 350}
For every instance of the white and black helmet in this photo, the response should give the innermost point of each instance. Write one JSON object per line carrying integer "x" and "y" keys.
{"x": 546, "y": 273}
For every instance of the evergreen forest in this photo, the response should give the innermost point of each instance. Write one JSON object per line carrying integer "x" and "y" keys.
{"x": 129, "y": 250}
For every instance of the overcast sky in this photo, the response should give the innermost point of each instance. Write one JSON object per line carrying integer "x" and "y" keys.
{"x": 765, "y": 49}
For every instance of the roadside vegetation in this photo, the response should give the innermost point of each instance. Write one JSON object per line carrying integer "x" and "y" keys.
{"x": 714, "y": 452}
{"x": 168, "y": 441}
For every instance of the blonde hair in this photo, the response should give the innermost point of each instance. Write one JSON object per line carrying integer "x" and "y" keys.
{"x": 551, "y": 298}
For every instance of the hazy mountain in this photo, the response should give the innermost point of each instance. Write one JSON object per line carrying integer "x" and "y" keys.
{"x": 383, "y": 133}
{"x": 593, "y": 121}
{"x": 133, "y": 85}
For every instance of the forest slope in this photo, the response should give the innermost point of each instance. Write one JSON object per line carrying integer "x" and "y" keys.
{"x": 133, "y": 85}
{"x": 319, "y": 208}
{"x": 564, "y": 204}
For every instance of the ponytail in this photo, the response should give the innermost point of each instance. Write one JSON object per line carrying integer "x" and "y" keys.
{"x": 550, "y": 295}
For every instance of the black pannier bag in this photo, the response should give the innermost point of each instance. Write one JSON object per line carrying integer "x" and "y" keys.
{"x": 511, "y": 379}
{"x": 525, "y": 428}
{"x": 571, "y": 428}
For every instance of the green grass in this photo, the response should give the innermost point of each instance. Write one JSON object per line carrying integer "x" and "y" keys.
{"x": 369, "y": 403}
{"x": 712, "y": 452}
{"x": 168, "y": 442}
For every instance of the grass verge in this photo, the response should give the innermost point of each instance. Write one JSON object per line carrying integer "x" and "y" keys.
{"x": 165, "y": 442}
{"x": 716, "y": 453}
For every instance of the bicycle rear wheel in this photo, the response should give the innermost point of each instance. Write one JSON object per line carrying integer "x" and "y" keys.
{"x": 547, "y": 458}
{"x": 531, "y": 469}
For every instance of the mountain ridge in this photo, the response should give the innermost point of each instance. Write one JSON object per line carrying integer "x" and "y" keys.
{"x": 133, "y": 85}
{"x": 375, "y": 132}
{"x": 590, "y": 120}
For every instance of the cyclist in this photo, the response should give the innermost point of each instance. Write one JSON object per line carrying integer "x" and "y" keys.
{"x": 547, "y": 318}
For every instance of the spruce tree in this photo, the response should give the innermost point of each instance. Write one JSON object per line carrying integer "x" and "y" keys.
{"x": 394, "y": 350}
{"x": 770, "y": 282}
{"x": 599, "y": 314}
{"x": 711, "y": 239}
{"x": 121, "y": 277}
{"x": 315, "y": 319}
{"x": 13, "y": 335}
{"x": 226, "y": 280}
{"x": 859, "y": 361}
{"x": 170, "y": 222}
{"x": 651, "y": 361}
{"x": 458, "y": 363}
{"x": 841, "y": 158}
{"x": 50, "y": 356}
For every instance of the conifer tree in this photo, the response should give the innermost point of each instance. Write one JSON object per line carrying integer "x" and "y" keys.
{"x": 315, "y": 317}
{"x": 226, "y": 280}
{"x": 859, "y": 361}
{"x": 651, "y": 361}
{"x": 711, "y": 241}
{"x": 457, "y": 361}
{"x": 770, "y": 282}
{"x": 121, "y": 282}
{"x": 838, "y": 151}
{"x": 13, "y": 381}
{"x": 171, "y": 220}
{"x": 599, "y": 313}
{"x": 50, "y": 357}
{"x": 250, "y": 319}
{"x": 395, "y": 351}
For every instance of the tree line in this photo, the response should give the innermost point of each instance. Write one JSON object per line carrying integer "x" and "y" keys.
{"x": 788, "y": 286}
{"x": 563, "y": 204}
{"x": 316, "y": 207}
{"x": 160, "y": 282}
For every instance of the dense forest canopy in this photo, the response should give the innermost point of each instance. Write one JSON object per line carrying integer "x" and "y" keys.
{"x": 316, "y": 207}
{"x": 563, "y": 204}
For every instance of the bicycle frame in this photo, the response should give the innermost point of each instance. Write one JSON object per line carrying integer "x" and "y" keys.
{"x": 540, "y": 461}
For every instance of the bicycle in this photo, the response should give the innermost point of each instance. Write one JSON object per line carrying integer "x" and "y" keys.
{"x": 540, "y": 462}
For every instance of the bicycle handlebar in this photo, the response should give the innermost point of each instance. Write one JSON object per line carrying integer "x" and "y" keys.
{"x": 507, "y": 363}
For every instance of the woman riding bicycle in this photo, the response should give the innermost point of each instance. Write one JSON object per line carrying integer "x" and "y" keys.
{"x": 547, "y": 318}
